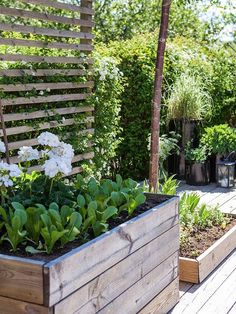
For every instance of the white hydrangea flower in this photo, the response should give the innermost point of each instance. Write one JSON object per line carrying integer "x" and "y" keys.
{"x": 54, "y": 166}
{"x": 63, "y": 150}
{"x": 51, "y": 168}
{"x": 48, "y": 139}
{"x": 48, "y": 90}
{"x": 2, "y": 147}
{"x": 7, "y": 172}
{"x": 14, "y": 171}
{"x": 41, "y": 93}
{"x": 27, "y": 153}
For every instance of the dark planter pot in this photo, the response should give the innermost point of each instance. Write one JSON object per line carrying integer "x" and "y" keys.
{"x": 188, "y": 129}
{"x": 213, "y": 160}
{"x": 197, "y": 173}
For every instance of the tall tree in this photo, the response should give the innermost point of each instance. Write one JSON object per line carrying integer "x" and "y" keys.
{"x": 156, "y": 104}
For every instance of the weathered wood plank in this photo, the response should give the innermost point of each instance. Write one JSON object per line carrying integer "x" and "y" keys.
{"x": 45, "y": 113}
{"x": 90, "y": 155}
{"x": 121, "y": 276}
{"x": 216, "y": 253}
{"x": 60, "y": 5}
{"x": 141, "y": 293}
{"x": 21, "y": 279}
{"x": 40, "y": 59}
{"x": 164, "y": 301}
{"x": 224, "y": 297}
{"x": 64, "y": 275}
{"x": 195, "y": 297}
{"x": 42, "y": 99}
{"x": 44, "y": 86}
{"x": 43, "y": 31}
{"x": 188, "y": 270}
{"x": 44, "y": 44}
{"x": 34, "y": 142}
{"x": 184, "y": 287}
{"x": 11, "y": 306}
{"x": 44, "y": 72}
{"x": 44, "y": 16}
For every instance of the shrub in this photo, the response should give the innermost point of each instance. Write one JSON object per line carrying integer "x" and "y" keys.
{"x": 219, "y": 139}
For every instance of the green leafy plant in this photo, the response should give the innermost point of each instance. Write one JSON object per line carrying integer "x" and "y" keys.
{"x": 14, "y": 221}
{"x": 219, "y": 139}
{"x": 198, "y": 154}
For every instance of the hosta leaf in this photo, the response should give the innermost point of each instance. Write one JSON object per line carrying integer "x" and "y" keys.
{"x": 54, "y": 206}
{"x": 17, "y": 205}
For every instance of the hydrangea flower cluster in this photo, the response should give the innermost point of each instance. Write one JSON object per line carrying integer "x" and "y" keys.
{"x": 2, "y": 147}
{"x": 7, "y": 173}
{"x": 57, "y": 155}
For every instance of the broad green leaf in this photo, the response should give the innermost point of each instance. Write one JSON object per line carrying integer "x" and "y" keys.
{"x": 17, "y": 205}
{"x": 54, "y": 206}
{"x": 81, "y": 201}
{"x": 109, "y": 212}
{"x": 140, "y": 199}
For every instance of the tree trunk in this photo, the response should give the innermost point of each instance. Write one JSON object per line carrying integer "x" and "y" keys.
{"x": 156, "y": 104}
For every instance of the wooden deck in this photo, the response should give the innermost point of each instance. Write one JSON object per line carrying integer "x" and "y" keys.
{"x": 213, "y": 195}
{"x": 217, "y": 293}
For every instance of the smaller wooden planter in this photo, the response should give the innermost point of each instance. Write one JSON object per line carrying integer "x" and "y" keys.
{"x": 130, "y": 269}
{"x": 196, "y": 270}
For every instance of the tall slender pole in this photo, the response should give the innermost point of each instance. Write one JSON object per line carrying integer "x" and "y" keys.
{"x": 156, "y": 104}
{"x": 4, "y": 132}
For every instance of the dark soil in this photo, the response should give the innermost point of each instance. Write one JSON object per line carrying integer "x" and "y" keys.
{"x": 58, "y": 251}
{"x": 199, "y": 241}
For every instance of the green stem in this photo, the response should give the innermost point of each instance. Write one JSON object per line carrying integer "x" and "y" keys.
{"x": 51, "y": 185}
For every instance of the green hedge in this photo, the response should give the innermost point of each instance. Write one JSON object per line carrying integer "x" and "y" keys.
{"x": 136, "y": 60}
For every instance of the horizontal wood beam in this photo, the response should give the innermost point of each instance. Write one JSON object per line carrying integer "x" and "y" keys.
{"x": 60, "y": 5}
{"x": 44, "y": 16}
{"x": 44, "y": 44}
{"x": 43, "y": 86}
{"x": 43, "y": 31}
{"x": 41, "y": 72}
{"x": 45, "y": 113}
{"x": 43, "y": 99}
{"x": 41, "y": 59}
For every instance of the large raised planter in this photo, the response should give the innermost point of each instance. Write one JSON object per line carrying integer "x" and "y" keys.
{"x": 197, "y": 173}
{"x": 132, "y": 268}
{"x": 196, "y": 270}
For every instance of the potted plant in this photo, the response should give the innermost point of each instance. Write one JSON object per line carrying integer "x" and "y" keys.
{"x": 220, "y": 140}
{"x": 82, "y": 245}
{"x": 197, "y": 167}
{"x": 187, "y": 105}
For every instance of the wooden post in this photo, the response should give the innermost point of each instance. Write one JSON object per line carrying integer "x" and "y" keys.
{"x": 156, "y": 105}
{"x": 4, "y": 132}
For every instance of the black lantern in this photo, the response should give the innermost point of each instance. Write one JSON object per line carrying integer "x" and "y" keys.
{"x": 225, "y": 173}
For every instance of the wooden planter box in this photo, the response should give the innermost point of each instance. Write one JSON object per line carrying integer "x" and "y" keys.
{"x": 132, "y": 268}
{"x": 196, "y": 270}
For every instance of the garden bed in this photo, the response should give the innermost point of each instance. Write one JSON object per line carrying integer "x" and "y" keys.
{"x": 133, "y": 267}
{"x": 211, "y": 246}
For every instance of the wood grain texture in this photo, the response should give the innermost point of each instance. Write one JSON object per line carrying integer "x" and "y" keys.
{"x": 44, "y": 44}
{"x": 141, "y": 293}
{"x": 21, "y": 279}
{"x": 188, "y": 270}
{"x": 42, "y": 59}
{"x": 164, "y": 301}
{"x": 43, "y": 99}
{"x": 64, "y": 275}
{"x": 43, "y": 86}
{"x": 100, "y": 291}
{"x": 44, "y": 16}
{"x": 43, "y": 31}
{"x": 44, "y": 72}
{"x": 212, "y": 257}
{"x": 61, "y": 6}
{"x": 11, "y": 306}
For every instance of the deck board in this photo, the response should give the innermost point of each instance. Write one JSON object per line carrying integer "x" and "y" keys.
{"x": 213, "y": 195}
{"x": 217, "y": 291}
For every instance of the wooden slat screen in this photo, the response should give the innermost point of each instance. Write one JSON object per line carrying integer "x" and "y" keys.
{"x": 45, "y": 73}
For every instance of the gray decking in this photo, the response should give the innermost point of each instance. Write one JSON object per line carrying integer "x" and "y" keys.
{"x": 217, "y": 293}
